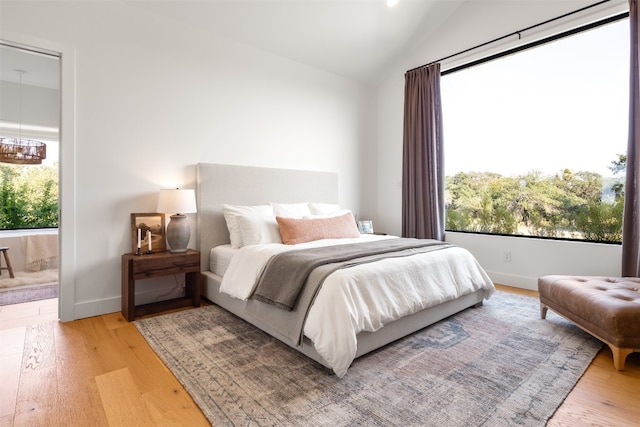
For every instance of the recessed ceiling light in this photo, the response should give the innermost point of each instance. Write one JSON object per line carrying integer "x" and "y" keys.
{"x": 392, "y": 3}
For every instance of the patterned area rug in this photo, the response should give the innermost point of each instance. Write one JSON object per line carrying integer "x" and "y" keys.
{"x": 496, "y": 365}
{"x": 28, "y": 293}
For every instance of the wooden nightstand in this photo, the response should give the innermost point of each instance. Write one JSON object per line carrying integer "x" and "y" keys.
{"x": 136, "y": 267}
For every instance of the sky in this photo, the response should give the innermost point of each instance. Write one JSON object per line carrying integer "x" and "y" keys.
{"x": 562, "y": 105}
{"x": 53, "y": 148}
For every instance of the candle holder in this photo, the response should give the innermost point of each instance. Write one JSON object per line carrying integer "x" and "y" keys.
{"x": 138, "y": 252}
{"x": 149, "y": 253}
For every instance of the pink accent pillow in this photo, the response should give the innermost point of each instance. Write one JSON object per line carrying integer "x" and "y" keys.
{"x": 300, "y": 230}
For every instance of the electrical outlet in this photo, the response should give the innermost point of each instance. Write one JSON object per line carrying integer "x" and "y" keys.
{"x": 506, "y": 256}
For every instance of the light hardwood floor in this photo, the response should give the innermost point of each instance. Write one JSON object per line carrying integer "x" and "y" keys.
{"x": 101, "y": 372}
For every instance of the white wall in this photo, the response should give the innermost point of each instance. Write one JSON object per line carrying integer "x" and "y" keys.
{"x": 40, "y": 106}
{"x": 532, "y": 258}
{"x": 153, "y": 98}
{"x": 476, "y": 23}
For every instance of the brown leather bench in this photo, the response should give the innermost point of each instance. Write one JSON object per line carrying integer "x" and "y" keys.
{"x": 606, "y": 307}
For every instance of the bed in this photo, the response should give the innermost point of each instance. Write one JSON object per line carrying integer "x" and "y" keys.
{"x": 224, "y": 267}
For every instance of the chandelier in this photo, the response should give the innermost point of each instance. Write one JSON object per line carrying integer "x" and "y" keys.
{"x": 19, "y": 150}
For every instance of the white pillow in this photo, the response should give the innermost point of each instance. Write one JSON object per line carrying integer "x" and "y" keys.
{"x": 291, "y": 210}
{"x": 331, "y": 214}
{"x": 258, "y": 229}
{"x": 231, "y": 213}
{"x": 323, "y": 208}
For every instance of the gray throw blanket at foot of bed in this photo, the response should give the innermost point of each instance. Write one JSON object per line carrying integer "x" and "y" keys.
{"x": 285, "y": 274}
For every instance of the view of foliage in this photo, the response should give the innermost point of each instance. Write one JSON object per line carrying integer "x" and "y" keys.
{"x": 28, "y": 196}
{"x": 573, "y": 205}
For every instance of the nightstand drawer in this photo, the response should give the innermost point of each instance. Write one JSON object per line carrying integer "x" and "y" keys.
{"x": 155, "y": 265}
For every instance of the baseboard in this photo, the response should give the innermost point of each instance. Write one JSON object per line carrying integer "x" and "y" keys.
{"x": 83, "y": 309}
{"x": 523, "y": 282}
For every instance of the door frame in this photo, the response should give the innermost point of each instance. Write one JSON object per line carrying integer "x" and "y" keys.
{"x": 67, "y": 169}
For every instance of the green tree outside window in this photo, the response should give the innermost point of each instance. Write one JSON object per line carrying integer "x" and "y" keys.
{"x": 29, "y": 196}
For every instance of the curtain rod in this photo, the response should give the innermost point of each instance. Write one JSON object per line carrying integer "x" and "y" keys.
{"x": 518, "y": 33}
{"x": 537, "y": 43}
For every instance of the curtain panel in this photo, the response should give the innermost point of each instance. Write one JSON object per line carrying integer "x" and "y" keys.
{"x": 631, "y": 220}
{"x": 423, "y": 165}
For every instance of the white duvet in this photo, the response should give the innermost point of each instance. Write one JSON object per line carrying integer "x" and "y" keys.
{"x": 365, "y": 297}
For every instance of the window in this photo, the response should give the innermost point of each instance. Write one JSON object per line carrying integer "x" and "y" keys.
{"x": 535, "y": 141}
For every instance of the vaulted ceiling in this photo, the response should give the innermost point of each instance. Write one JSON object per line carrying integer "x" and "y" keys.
{"x": 357, "y": 39}
{"x": 352, "y": 38}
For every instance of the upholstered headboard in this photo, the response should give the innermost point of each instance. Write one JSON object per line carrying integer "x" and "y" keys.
{"x": 249, "y": 185}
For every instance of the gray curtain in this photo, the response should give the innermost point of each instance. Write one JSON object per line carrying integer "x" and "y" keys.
{"x": 631, "y": 221}
{"x": 422, "y": 158}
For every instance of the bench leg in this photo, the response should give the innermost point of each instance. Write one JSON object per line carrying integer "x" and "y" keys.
{"x": 619, "y": 356}
{"x": 543, "y": 311}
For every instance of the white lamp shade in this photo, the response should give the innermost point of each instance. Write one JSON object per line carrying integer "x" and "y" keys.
{"x": 177, "y": 201}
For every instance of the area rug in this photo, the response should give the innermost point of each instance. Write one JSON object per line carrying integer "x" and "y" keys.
{"x": 495, "y": 365}
{"x": 24, "y": 278}
{"x": 28, "y": 293}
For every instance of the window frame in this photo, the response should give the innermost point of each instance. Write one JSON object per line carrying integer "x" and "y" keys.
{"x": 515, "y": 50}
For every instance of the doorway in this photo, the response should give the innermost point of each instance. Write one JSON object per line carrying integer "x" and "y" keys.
{"x": 30, "y": 114}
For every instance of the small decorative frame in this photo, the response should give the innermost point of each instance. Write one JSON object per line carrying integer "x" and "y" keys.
{"x": 365, "y": 227}
{"x": 153, "y": 222}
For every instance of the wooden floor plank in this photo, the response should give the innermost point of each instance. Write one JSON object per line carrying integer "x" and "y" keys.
{"x": 78, "y": 396}
{"x": 19, "y": 311}
{"x": 160, "y": 388}
{"x": 10, "y": 379}
{"x": 93, "y": 329}
{"x": 104, "y": 351}
{"x": 144, "y": 363}
{"x": 114, "y": 321}
{"x": 12, "y": 340}
{"x": 6, "y": 421}
{"x": 37, "y": 397}
{"x": 122, "y": 400}
{"x": 174, "y": 407}
{"x": 39, "y": 347}
{"x": 37, "y": 391}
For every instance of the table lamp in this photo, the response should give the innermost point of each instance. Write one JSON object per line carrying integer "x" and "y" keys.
{"x": 177, "y": 202}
